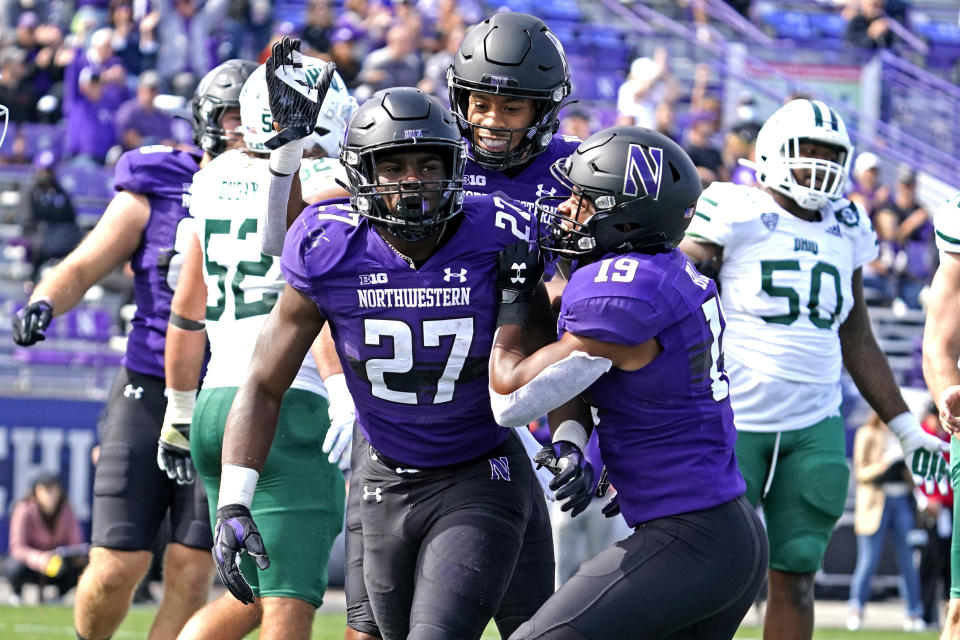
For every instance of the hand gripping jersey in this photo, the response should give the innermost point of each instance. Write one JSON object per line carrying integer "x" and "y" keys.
{"x": 946, "y": 221}
{"x": 672, "y": 418}
{"x": 320, "y": 174}
{"x": 414, "y": 343}
{"x": 163, "y": 175}
{"x": 534, "y": 181}
{"x": 242, "y": 284}
{"x": 786, "y": 289}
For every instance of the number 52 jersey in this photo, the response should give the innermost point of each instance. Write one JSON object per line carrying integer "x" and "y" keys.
{"x": 414, "y": 343}
{"x": 786, "y": 287}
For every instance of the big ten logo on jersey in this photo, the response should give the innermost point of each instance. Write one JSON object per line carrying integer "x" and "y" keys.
{"x": 474, "y": 180}
{"x": 513, "y": 218}
{"x": 237, "y": 189}
{"x": 373, "y": 278}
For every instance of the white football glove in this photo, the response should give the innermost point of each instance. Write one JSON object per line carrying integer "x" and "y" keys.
{"x": 342, "y": 414}
{"x": 922, "y": 452}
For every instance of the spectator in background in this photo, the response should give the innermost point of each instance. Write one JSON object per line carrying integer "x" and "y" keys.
{"x": 184, "y": 31}
{"x": 139, "y": 123}
{"x": 646, "y": 86}
{"x": 740, "y": 144}
{"x": 100, "y": 89}
{"x": 248, "y": 24}
{"x": 869, "y": 27}
{"x": 46, "y": 215}
{"x": 395, "y": 65}
{"x": 701, "y": 149}
{"x": 905, "y": 224}
{"x": 135, "y": 44}
{"x": 46, "y": 542}
{"x": 665, "y": 121}
{"x": 867, "y": 191}
{"x": 343, "y": 53}
{"x": 936, "y": 516}
{"x": 318, "y": 29}
{"x": 884, "y": 505}
{"x": 579, "y": 124}
{"x": 16, "y": 90}
{"x": 435, "y": 73}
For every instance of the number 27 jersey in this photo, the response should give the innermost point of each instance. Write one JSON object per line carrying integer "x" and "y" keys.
{"x": 414, "y": 343}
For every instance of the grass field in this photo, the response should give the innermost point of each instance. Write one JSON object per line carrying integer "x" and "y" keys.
{"x": 44, "y": 623}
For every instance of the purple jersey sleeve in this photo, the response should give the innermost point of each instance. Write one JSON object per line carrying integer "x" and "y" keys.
{"x": 156, "y": 170}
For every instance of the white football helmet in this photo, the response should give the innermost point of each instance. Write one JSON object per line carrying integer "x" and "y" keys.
{"x": 778, "y": 152}
{"x": 257, "y": 120}
{"x": 336, "y": 111}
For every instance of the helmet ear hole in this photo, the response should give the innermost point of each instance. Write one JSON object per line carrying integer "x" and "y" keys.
{"x": 673, "y": 171}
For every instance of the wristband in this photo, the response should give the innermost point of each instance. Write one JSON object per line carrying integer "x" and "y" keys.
{"x": 180, "y": 405}
{"x": 573, "y": 432}
{"x": 237, "y": 485}
{"x": 186, "y": 324}
{"x": 285, "y": 160}
{"x": 904, "y": 424}
{"x": 513, "y": 313}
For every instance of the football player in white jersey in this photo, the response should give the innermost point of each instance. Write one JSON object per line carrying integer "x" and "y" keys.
{"x": 788, "y": 259}
{"x": 941, "y": 352}
{"x": 230, "y": 284}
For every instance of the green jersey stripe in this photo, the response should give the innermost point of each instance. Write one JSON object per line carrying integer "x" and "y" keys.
{"x": 709, "y": 201}
{"x": 949, "y": 239}
{"x": 702, "y": 215}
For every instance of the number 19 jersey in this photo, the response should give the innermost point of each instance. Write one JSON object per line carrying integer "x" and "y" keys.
{"x": 414, "y": 343}
{"x": 243, "y": 285}
{"x": 786, "y": 289}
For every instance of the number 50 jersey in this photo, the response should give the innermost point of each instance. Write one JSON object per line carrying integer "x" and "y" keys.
{"x": 414, "y": 343}
{"x": 786, "y": 289}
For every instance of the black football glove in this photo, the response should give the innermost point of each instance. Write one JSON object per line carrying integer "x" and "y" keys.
{"x": 31, "y": 321}
{"x": 236, "y": 532}
{"x": 295, "y": 96}
{"x": 573, "y": 480}
{"x": 173, "y": 452}
{"x": 520, "y": 268}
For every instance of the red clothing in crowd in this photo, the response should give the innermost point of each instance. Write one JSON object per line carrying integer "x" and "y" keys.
{"x": 31, "y": 541}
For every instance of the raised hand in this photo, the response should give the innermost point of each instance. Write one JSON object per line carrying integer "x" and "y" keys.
{"x": 31, "y": 321}
{"x": 236, "y": 532}
{"x": 520, "y": 268}
{"x": 296, "y": 86}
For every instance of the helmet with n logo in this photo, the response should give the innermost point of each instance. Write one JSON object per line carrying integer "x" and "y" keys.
{"x": 642, "y": 185}
{"x": 779, "y": 154}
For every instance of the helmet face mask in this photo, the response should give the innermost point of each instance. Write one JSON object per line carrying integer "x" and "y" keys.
{"x": 511, "y": 55}
{"x": 218, "y": 92}
{"x": 395, "y": 133}
{"x": 632, "y": 190}
{"x": 794, "y": 149}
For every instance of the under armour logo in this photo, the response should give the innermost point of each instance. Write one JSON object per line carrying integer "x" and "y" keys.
{"x": 448, "y": 274}
{"x": 367, "y": 494}
{"x": 500, "y": 468}
{"x": 518, "y": 270}
{"x": 541, "y": 192}
{"x": 131, "y": 390}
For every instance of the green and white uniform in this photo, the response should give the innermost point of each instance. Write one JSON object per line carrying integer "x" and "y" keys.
{"x": 946, "y": 221}
{"x": 786, "y": 287}
{"x": 320, "y": 174}
{"x": 299, "y": 502}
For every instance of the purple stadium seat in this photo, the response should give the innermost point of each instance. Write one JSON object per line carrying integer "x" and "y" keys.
{"x": 41, "y": 137}
{"x": 89, "y": 181}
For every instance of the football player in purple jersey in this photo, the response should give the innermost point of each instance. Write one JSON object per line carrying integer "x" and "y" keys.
{"x": 640, "y": 339}
{"x": 142, "y": 224}
{"x": 405, "y": 274}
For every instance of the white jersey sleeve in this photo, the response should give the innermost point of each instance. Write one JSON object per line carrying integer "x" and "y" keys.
{"x": 243, "y": 284}
{"x": 320, "y": 174}
{"x": 718, "y": 214}
{"x": 853, "y": 216}
{"x": 946, "y": 221}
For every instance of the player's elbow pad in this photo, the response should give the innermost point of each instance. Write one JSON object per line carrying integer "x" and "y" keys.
{"x": 551, "y": 388}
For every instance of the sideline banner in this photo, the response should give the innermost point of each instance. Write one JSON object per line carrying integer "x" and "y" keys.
{"x": 46, "y": 434}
